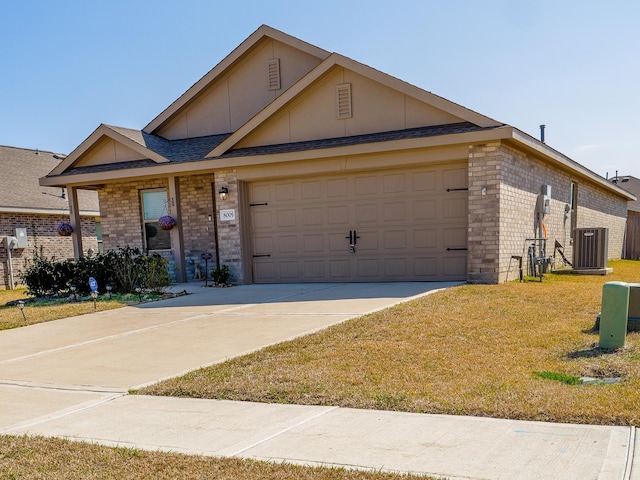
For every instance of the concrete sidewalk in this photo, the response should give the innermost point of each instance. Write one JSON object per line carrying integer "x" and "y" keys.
{"x": 69, "y": 378}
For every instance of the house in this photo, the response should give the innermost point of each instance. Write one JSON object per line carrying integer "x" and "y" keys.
{"x": 30, "y": 212}
{"x": 632, "y": 237}
{"x": 289, "y": 163}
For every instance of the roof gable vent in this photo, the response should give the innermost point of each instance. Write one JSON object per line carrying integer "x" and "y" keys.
{"x": 273, "y": 68}
{"x": 343, "y": 100}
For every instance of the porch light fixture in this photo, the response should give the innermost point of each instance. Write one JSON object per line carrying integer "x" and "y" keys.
{"x": 223, "y": 192}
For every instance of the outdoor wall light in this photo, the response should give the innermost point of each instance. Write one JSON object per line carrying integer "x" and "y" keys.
{"x": 223, "y": 192}
{"x": 21, "y": 307}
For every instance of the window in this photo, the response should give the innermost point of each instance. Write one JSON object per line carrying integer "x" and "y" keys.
{"x": 154, "y": 205}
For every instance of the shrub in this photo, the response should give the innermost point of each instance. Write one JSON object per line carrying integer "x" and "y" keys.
{"x": 124, "y": 269}
{"x": 155, "y": 274}
{"x": 220, "y": 274}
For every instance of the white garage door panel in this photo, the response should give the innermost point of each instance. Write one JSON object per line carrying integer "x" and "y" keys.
{"x": 405, "y": 221}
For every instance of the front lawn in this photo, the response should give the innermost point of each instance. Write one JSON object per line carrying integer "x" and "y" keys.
{"x": 45, "y": 310}
{"x": 486, "y": 350}
{"x": 38, "y": 458}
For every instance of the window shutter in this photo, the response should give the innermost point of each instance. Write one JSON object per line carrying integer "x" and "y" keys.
{"x": 343, "y": 100}
{"x": 273, "y": 68}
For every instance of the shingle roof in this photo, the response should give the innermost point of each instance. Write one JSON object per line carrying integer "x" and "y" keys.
{"x": 195, "y": 149}
{"x": 176, "y": 151}
{"x": 20, "y": 170}
{"x": 406, "y": 134}
{"x": 631, "y": 185}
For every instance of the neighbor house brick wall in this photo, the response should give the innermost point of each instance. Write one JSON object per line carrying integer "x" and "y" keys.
{"x": 521, "y": 177}
{"x": 42, "y": 235}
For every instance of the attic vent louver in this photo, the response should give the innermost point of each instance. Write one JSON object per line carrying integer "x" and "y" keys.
{"x": 343, "y": 100}
{"x": 274, "y": 74}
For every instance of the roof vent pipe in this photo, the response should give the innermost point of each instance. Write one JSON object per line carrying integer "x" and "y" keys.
{"x": 542, "y": 127}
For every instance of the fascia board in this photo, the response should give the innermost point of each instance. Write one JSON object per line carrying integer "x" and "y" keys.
{"x": 208, "y": 165}
{"x": 535, "y": 145}
{"x": 417, "y": 92}
{"x": 43, "y": 211}
{"x": 99, "y": 133}
{"x": 79, "y": 150}
{"x": 254, "y": 39}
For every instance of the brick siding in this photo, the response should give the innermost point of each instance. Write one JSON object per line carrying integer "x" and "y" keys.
{"x": 41, "y": 234}
{"x": 501, "y": 220}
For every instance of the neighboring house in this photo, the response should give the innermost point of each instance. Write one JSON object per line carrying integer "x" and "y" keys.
{"x": 632, "y": 242}
{"x": 37, "y": 211}
{"x": 292, "y": 164}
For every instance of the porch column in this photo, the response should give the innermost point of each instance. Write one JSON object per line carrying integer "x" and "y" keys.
{"x": 177, "y": 236}
{"x": 74, "y": 213}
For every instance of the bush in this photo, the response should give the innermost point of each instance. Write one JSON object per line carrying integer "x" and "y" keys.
{"x": 124, "y": 269}
{"x": 220, "y": 274}
{"x": 44, "y": 276}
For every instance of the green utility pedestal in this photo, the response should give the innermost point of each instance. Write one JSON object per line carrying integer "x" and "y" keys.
{"x": 615, "y": 312}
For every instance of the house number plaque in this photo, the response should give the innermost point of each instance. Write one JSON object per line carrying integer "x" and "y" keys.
{"x": 227, "y": 215}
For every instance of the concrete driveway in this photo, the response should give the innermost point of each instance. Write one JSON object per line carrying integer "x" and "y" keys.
{"x": 52, "y": 368}
{"x": 70, "y": 378}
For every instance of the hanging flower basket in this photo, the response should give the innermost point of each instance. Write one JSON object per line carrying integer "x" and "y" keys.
{"x": 167, "y": 222}
{"x": 64, "y": 229}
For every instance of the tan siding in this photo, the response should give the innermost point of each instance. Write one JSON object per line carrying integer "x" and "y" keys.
{"x": 242, "y": 92}
{"x": 375, "y": 108}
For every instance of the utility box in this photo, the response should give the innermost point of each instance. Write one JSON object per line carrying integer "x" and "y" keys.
{"x": 590, "y": 248}
{"x": 614, "y": 316}
{"x": 21, "y": 237}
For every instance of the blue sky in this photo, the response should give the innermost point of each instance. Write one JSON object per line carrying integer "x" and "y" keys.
{"x": 68, "y": 66}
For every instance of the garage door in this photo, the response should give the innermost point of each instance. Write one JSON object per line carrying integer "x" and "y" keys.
{"x": 405, "y": 225}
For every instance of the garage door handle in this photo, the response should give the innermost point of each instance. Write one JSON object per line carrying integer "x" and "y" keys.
{"x": 450, "y": 249}
{"x": 350, "y": 237}
{"x": 263, "y": 255}
{"x": 355, "y": 238}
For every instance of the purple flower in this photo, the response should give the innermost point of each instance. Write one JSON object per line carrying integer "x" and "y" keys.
{"x": 167, "y": 222}
{"x": 65, "y": 229}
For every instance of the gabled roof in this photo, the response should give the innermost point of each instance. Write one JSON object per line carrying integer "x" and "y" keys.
{"x": 154, "y": 155}
{"x": 632, "y": 185}
{"x": 21, "y": 192}
{"x": 339, "y": 60}
{"x": 254, "y": 39}
{"x": 147, "y": 145}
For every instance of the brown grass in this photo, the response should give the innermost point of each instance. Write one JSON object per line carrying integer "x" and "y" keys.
{"x": 10, "y": 316}
{"x": 470, "y": 350}
{"x": 38, "y": 458}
